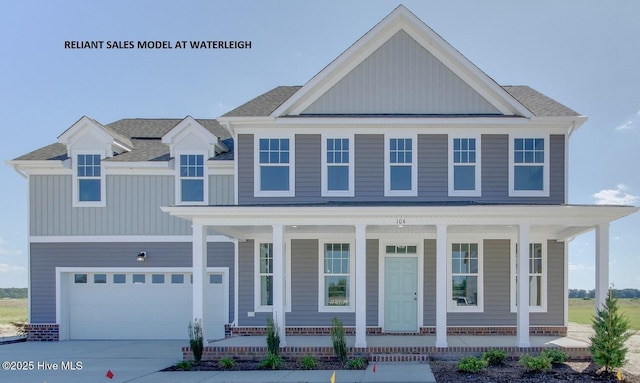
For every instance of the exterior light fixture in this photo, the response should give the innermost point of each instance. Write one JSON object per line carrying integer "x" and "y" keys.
{"x": 142, "y": 256}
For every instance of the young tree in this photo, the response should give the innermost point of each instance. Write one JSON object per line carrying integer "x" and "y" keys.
{"x": 611, "y": 332}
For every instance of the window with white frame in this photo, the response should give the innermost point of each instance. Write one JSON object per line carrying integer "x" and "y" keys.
{"x": 537, "y": 278}
{"x": 274, "y": 170}
{"x": 336, "y": 266}
{"x": 529, "y": 170}
{"x": 464, "y": 166}
{"x": 89, "y": 187}
{"x": 466, "y": 279}
{"x": 264, "y": 275}
{"x": 401, "y": 168}
{"x": 192, "y": 178}
{"x": 337, "y": 166}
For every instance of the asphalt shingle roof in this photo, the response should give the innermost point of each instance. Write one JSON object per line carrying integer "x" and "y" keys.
{"x": 264, "y": 104}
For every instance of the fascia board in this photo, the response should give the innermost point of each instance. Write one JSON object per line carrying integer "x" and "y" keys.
{"x": 37, "y": 164}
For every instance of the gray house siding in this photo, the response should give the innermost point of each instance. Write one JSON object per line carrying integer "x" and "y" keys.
{"x": 221, "y": 190}
{"x": 401, "y": 77}
{"x": 372, "y": 281}
{"x": 433, "y": 168}
{"x": 429, "y": 284}
{"x": 45, "y": 257}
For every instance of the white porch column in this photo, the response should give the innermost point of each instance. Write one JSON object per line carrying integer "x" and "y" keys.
{"x": 441, "y": 286}
{"x": 279, "y": 282}
{"x": 361, "y": 286}
{"x": 602, "y": 264}
{"x": 199, "y": 254}
{"x": 522, "y": 289}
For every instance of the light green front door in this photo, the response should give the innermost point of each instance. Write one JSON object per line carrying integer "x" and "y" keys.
{"x": 401, "y": 294}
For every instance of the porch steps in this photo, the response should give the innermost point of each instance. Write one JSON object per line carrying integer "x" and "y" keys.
{"x": 398, "y": 357}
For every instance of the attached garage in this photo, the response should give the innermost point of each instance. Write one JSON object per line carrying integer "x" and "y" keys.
{"x": 138, "y": 304}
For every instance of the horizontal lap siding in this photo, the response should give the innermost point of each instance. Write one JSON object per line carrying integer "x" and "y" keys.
{"x": 556, "y": 293}
{"x": 369, "y": 170}
{"x": 45, "y": 257}
{"x": 372, "y": 281}
{"x": 308, "y": 163}
{"x": 432, "y": 167}
{"x": 429, "y": 283}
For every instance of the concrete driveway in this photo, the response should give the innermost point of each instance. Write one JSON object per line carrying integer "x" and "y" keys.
{"x": 86, "y": 361}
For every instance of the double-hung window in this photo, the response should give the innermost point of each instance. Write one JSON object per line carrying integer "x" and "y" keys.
{"x": 464, "y": 166}
{"x": 466, "y": 280}
{"x": 89, "y": 185}
{"x": 336, "y": 265}
{"x": 264, "y": 274}
{"x": 274, "y": 167}
{"x": 529, "y": 166}
{"x": 537, "y": 278}
{"x": 192, "y": 178}
{"x": 401, "y": 166}
{"x": 337, "y": 166}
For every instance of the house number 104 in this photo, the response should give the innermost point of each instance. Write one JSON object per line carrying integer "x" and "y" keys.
{"x": 400, "y": 221}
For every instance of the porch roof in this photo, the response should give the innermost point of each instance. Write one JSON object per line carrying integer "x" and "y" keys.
{"x": 560, "y": 222}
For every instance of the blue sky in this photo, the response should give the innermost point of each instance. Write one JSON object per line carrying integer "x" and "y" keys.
{"x": 583, "y": 53}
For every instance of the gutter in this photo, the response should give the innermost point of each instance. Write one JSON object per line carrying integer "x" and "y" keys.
{"x": 15, "y": 167}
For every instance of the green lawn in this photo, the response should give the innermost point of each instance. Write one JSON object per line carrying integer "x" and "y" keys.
{"x": 13, "y": 310}
{"x": 583, "y": 310}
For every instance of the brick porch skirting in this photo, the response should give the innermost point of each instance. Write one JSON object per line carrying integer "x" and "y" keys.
{"x": 476, "y": 331}
{"x": 43, "y": 332}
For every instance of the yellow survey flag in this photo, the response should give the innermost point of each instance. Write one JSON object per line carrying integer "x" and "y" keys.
{"x": 619, "y": 375}
{"x": 333, "y": 377}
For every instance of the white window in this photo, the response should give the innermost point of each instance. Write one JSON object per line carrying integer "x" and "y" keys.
{"x": 337, "y": 166}
{"x": 529, "y": 166}
{"x": 537, "y": 278}
{"x": 336, "y": 265}
{"x": 464, "y": 166}
{"x": 274, "y": 169}
{"x": 465, "y": 287}
{"x": 401, "y": 170}
{"x": 89, "y": 186}
{"x": 263, "y": 298}
{"x": 192, "y": 186}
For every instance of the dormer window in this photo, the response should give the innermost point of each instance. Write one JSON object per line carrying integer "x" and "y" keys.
{"x": 192, "y": 185}
{"x": 89, "y": 180}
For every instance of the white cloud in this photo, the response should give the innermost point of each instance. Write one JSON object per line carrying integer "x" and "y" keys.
{"x": 617, "y": 196}
{"x": 6, "y": 268}
{"x": 625, "y": 126}
{"x": 574, "y": 266}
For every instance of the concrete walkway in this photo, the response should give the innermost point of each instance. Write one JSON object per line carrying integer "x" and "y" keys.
{"x": 140, "y": 362}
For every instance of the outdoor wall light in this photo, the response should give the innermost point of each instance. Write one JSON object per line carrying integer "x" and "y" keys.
{"x": 142, "y": 256}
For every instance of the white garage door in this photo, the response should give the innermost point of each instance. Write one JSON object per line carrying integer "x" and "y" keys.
{"x": 145, "y": 305}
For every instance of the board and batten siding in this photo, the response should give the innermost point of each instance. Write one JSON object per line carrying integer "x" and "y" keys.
{"x": 433, "y": 168}
{"x": 45, "y": 257}
{"x": 132, "y": 206}
{"x": 401, "y": 77}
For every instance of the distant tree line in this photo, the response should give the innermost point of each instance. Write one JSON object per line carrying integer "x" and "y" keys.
{"x": 13, "y": 292}
{"x": 623, "y": 293}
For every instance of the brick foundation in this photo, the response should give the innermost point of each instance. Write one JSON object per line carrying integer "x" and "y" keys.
{"x": 475, "y": 331}
{"x": 45, "y": 332}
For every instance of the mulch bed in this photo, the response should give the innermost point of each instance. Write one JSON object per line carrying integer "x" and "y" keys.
{"x": 247, "y": 365}
{"x": 511, "y": 371}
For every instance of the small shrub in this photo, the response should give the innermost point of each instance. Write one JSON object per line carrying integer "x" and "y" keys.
{"x": 226, "y": 363}
{"x": 272, "y": 362}
{"x": 185, "y": 365}
{"x": 338, "y": 340}
{"x": 273, "y": 338}
{"x": 535, "y": 363}
{"x": 494, "y": 357}
{"x": 471, "y": 364}
{"x": 556, "y": 356}
{"x": 195, "y": 339}
{"x": 611, "y": 332}
{"x": 308, "y": 362}
{"x": 356, "y": 363}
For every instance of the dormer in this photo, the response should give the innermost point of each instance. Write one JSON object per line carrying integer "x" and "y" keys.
{"x": 191, "y": 145}
{"x": 88, "y": 144}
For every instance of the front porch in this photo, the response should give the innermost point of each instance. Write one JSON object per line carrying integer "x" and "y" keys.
{"x": 390, "y": 348}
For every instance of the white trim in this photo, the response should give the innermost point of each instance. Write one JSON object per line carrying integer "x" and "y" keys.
{"x": 350, "y": 192}
{"x": 75, "y": 179}
{"x": 387, "y": 164}
{"x": 513, "y": 267}
{"x": 64, "y": 327}
{"x": 257, "y": 192}
{"x": 122, "y": 238}
{"x": 464, "y": 239}
{"x": 257, "y": 306}
{"x": 546, "y": 166}
{"x": 477, "y": 191}
{"x": 178, "y": 178}
{"x": 388, "y": 240}
{"x": 322, "y": 308}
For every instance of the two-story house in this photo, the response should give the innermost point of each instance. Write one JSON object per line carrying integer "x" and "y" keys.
{"x": 401, "y": 189}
